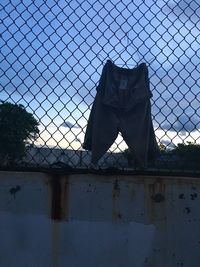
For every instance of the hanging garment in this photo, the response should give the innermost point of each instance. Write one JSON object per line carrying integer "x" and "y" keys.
{"x": 122, "y": 104}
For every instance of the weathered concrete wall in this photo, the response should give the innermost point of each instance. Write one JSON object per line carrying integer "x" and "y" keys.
{"x": 101, "y": 221}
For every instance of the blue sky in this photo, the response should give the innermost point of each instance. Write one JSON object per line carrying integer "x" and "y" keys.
{"x": 52, "y": 54}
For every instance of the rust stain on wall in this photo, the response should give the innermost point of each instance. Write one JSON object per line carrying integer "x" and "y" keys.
{"x": 116, "y": 190}
{"x": 157, "y": 191}
{"x": 55, "y": 243}
{"x": 155, "y": 199}
{"x": 116, "y": 215}
{"x": 59, "y": 196}
{"x": 14, "y": 190}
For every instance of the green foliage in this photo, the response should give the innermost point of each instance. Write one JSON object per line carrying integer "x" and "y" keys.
{"x": 185, "y": 156}
{"x": 189, "y": 152}
{"x": 17, "y": 129}
{"x": 162, "y": 147}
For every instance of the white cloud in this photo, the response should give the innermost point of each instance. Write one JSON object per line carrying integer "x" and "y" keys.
{"x": 68, "y": 124}
{"x": 168, "y": 143}
{"x": 166, "y": 31}
{"x": 183, "y": 124}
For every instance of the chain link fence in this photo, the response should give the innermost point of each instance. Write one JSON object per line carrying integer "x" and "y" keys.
{"x": 52, "y": 55}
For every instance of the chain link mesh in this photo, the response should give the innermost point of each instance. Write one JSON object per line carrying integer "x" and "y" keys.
{"x": 52, "y": 54}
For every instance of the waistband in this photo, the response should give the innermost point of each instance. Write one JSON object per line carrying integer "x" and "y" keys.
{"x": 139, "y": 67}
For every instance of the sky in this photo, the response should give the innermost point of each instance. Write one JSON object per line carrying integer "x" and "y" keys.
{"x": 52, "y": 54}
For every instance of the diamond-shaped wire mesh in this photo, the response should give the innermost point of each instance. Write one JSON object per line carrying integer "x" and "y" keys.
{"x": 52, "y": 55}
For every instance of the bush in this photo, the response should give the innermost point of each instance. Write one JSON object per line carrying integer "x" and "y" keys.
{"x": 189, "y": 152}
{"x": 18, "y": 128}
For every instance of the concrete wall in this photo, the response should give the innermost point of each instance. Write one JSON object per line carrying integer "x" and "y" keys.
{"x": 102, "y": 221}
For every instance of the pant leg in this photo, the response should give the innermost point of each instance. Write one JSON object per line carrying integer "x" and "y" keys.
{"x": 137, "y": 130}
{"x": 102, "y": 130}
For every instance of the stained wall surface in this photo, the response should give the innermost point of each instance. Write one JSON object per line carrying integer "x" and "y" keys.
{"x": 54, "y": 220}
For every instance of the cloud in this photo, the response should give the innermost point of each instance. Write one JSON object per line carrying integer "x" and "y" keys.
{"x": 68, "y": 124}
{"x": 43, "y": 73}
{"x": 180, "y": 7}
{"x": 168, "y": 143}
{"x": 183, "y": 124}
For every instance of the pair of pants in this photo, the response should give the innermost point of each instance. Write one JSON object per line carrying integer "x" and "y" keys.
{"x": 126, "y": 115}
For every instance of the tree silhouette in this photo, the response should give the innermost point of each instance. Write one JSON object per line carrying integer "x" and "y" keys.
{"x": 189, "y": 153}
{"x": 18, "y": 128}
